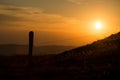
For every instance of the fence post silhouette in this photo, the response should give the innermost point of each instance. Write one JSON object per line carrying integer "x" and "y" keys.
{"x": 31, "y": 39}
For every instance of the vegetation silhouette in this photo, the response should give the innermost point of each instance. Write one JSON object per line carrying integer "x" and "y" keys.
{"x": 99, "y": 60}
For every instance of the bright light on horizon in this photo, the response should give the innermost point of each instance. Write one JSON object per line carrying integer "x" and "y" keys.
{"x": 98, "y": 25}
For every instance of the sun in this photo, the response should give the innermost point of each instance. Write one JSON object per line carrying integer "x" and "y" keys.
{"x": 98, "y": 25}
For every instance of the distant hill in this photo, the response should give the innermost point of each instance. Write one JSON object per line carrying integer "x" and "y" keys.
{"x": 102, "y": 51}
{"x": 13, "y": 49}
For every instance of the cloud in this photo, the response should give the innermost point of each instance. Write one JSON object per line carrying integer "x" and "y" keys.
{"x": 31, "y": 18}
{"x": 18, "y": 9}
{"x": 6, "y": 17}
{"x": 80, "y": 1}
{"x": 84, "y": 1}
{"x": 12, "y": 8}
{"x": 75, "y": 1}
{"x": 14, "y": 15}
{"x": 10, "y": 20}
{"x": 30, "y": 15}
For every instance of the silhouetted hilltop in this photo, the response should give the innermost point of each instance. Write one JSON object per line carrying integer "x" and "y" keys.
{"x": 105, "y": 50}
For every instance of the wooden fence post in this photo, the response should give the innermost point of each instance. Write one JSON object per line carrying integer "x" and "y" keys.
{"x": 31, "y": 40}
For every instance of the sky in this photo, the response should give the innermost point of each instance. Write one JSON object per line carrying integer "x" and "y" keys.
{"x": 58, "y": 22}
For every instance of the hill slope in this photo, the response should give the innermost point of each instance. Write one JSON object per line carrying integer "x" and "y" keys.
{"x": 105, "y": 50}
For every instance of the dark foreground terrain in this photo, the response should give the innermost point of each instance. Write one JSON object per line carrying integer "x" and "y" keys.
{"x": 15, "y": 68}
{"x": 99, "y": 60}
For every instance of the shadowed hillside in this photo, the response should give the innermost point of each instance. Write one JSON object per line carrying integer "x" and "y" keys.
{"x": 105, "y": 51}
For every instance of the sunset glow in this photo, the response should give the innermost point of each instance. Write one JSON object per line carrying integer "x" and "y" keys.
{"x": 77, "y": 22}
{"x": 98, "y": 25}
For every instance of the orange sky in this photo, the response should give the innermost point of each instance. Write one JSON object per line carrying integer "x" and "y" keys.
{"x": 61, "y": 22}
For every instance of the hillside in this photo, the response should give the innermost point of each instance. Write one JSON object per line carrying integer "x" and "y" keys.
{"x": 105, "y": 50}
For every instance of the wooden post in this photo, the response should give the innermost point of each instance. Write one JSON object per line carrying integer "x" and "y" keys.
{"x": 31, "y": 39}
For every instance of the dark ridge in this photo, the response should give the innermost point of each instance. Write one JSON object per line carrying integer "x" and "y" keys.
{"x": 103, "y": 50}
